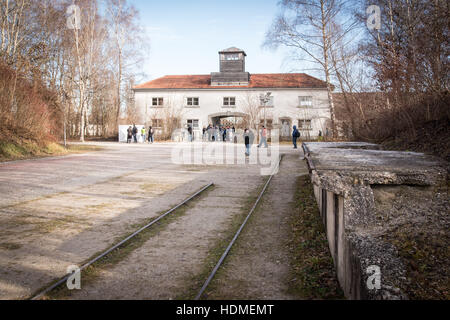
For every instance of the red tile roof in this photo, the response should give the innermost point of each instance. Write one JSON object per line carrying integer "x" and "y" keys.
{"x": 268, "y": 80}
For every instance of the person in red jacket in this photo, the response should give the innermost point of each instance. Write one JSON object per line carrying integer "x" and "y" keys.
{"x": 263, "y": 137}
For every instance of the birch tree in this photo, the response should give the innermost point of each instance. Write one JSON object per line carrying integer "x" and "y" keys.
{"x": 128, "y": 43}
{"x": 308, "y": 28}
{"x": 13, "y": 27}
{"x": 86, "y": 52}
{"x": 76, "y": 67}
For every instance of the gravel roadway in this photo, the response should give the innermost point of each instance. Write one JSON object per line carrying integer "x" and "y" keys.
{"x": 57, "y": 212}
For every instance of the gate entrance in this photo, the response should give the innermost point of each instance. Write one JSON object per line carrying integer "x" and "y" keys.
{"x": 228, "y": 119}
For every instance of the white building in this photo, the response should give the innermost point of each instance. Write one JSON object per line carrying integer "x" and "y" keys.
{"x": 233, "y": 97}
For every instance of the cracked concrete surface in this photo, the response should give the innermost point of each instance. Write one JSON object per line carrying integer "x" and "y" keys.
{"x": 382, "y": 200}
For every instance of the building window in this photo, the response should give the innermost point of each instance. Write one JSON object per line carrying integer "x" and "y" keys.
{"x": 157, "y": 102}
{"x": 193, "y": 123}
{"x": 229, "y": 101}
{"x": 192, "y": 102}
{"x": 305, "y": 101}
{"x": 304, "y": 124}
{"x": 157, "y": 123}
{"x": 232, "y": 57}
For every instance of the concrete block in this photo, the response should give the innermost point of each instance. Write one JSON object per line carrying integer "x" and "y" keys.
{"x": 330, "y": 227}
{"x": 344, "y": 176}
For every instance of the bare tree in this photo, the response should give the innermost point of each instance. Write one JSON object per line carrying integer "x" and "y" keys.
{"x": 409, "y": 59}
{"x": 170, "y": 115}
{"x": 75, "y": 69}
{"x": 251, "y": 106}
{"x": 307, "y": 27}
{"x": 84, "y": 38}
{"x": 14, "y": 27}
{"x": 128, "y": 44}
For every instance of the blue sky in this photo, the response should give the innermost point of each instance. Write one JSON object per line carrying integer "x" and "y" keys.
{"x": 185, "y": 36}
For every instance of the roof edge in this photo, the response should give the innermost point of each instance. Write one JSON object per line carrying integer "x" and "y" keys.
{"x": 142, "y": 86}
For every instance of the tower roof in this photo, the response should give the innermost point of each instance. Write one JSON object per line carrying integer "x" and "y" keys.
{"x": 233, "y": 50}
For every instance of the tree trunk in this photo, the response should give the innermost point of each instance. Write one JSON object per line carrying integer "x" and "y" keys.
{"x": 325, "y": 40}
{"x": 119, "y": 81}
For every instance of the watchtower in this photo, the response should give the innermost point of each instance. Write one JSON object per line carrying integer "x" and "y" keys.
{"x": 232, "y": 69}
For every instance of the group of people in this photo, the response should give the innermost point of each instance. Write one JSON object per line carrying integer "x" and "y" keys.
{"x": 249, "y": 138}
{"x": 215, "y": 133}
{"x": 132, "y": 133}
{"x": 219, "y": 133}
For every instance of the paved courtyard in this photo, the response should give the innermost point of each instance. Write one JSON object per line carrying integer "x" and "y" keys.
{"x": 57, "y": 212}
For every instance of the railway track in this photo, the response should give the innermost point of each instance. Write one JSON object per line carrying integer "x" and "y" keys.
{"x": 62, "y": 280}
{"x": 230, "y": 245}
{"x": 211, "y": 276}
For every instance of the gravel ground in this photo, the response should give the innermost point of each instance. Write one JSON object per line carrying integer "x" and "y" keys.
{"x": 56, "y": 212}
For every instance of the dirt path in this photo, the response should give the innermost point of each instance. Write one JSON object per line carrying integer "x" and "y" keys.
{"x": 258, "y": 266}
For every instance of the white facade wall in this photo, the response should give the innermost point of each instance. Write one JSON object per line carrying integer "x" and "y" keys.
{"x": 285, "y": 105}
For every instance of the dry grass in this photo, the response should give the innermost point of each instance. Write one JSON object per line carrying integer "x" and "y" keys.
{"x": 427, "y": 259}
{"x": 10, "y": 246}
{"x": 158, "y": 187}
{"x": 10, "y": 151}
{"x": 313, "y": 275}
{"x": 41, "y": 224}
{"x": 423, "y": 243}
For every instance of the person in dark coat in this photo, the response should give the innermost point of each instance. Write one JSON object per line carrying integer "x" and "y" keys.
{"x": 247, "y": 142}
{"x": 190, "y": 133}
{"x": 150, "y": 135}
{"x": 295, "y": 136}
{"x": 224, "y": 135}
{"x": 135, "y": 132}
{"x": 129, "y": 134}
